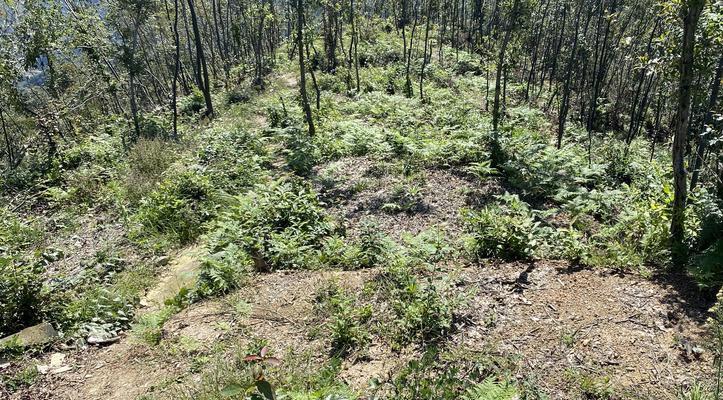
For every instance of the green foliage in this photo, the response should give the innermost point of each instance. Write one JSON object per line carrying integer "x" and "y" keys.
{"x": 591, "y": 386}
{"x": 147, "y": 160}
{"x": 223, "y": 270}
{"x": 489, "y": 389}
{"x": 300, "y": 151}
{"x": 238, "y": 95}
{"x": 25, "y": 377}
{"x": 177, "y": 209}
{"x": 16, "y": 234}
{"x": 154, "y": 127}
{"x": 406, "y": 198}
{"x": 423, "y": 311}
{"x": 279, "y": 225}
{"x": 336, "y": 252}
{"x": 373, "y": 245}
{"x": 707, "y": 267}
{"x": 506, "y": 230}
{"x": 95, "y": 309}
{"x": 715, "y": 324}
{"x": 429, "y": 246}
{"x": 540, "y": 170}
{"x": 234, "y": 159}
{"x": 452, "y": 375}
{"x": 22, "y": 298}
{"x": 347, "y": 319}
{"x": 193, "y": 103}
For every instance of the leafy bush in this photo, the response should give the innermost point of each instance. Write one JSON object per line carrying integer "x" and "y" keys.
{"x": 541, "y": 170}
{"x": 373, "y": 245}
{"x": 279, "y": 225}
{"x": 466, "y": 64}
{"x": 300, "y": 151}
{"x": 238, "y": 95}
{"x": 422, "y": 311}
{"x": 232, "y": 159}
{"x": 154, "y": 126}
{"x": 452, "y": 375}
{"x": 193, "y": 103}
{"x": 347, "y": 319}
{"x": 22, "y": 297}
{"x": 428, "y": 246}
{"x": 337, "y": 253}
{"x": 177, "y": 209}
{"x": 95, "y": 310}
{"x": 506, "y": 230}
{"x": 404, "y": 198}
{"x": 223, "y": 270}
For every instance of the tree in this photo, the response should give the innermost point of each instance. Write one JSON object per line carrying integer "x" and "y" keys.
{"x": 690, "y": 13}
{"x": 201, "y": 68}
{"x": 302, "y": 66}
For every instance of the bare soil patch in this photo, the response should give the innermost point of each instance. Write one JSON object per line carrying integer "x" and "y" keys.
{"x": 567, "y": 324}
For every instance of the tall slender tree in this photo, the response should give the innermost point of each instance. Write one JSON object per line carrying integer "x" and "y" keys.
{"x": 691, "y": 10}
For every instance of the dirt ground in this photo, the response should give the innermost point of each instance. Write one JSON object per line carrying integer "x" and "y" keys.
{"x": 570, "y": 329}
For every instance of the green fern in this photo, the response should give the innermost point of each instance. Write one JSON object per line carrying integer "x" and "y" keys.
{"x": 491, "y": 390}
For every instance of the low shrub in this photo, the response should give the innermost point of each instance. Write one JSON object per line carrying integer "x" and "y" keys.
{"x": 506, "y": 230}
{"x": 234, "y": 159}
{"x": 193, "y": 103}
{"x": 238, "y": 95}
{"x": 177, "y": 209}
{"x": 280, "y": 225}
{"x": 300, "y": 150}
{"x": 23, "y": 300}
{"x": 407, "y": 198}
{"x": 422, "y": 311}
{"x": 347, "y": 319}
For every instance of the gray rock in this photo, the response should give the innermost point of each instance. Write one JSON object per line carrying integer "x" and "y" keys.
{"x": 162, "y": 261}
{"x": 39, "y": 334}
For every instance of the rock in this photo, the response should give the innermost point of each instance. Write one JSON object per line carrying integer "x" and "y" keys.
{"x": 62, "y": 369}
{"x": 42, "y": 333}
{"x": 102, "y": 340}
{"x": 42, "y": 369}
{"x": 162, "y": 261}
{"x": 56, "y": 365}
{"x": 57, "y": 359}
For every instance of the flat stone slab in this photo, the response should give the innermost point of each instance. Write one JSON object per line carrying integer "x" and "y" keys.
{"x": 39, "y": 334}
{"x": 182, "y": 272}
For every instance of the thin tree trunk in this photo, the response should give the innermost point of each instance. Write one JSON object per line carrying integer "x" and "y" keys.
{"x": 692, "y": 11}
{"x": 302, "y": 66}
{"x": 703, "y": 136}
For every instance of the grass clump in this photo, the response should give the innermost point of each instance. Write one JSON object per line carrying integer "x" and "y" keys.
{"x": 147, "y": 160}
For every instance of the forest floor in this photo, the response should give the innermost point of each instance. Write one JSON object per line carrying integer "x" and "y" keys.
{"x": 569, "y": 331}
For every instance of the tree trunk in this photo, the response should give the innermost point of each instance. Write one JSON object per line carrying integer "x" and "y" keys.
{"x": 176, "y": 68}
{"x": 204, "y": 83}
{"x": 691, "y": 14}
{"x": 703, "y": 137}
{"x": 302, "y": 66}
